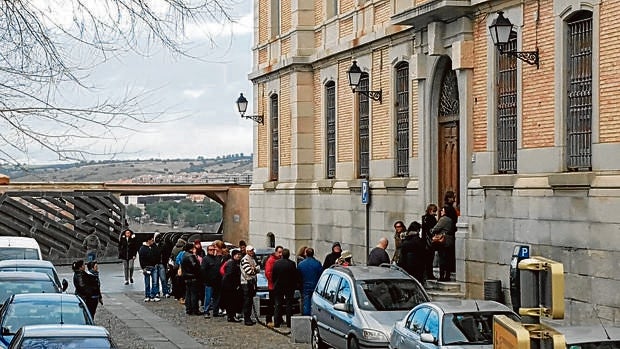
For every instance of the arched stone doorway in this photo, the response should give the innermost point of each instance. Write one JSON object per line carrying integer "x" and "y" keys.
{"x": 448, "y": 130}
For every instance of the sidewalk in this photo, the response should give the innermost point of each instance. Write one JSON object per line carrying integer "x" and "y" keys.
{"x": 152, "y": 330}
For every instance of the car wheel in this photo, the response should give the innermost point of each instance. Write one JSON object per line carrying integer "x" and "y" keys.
{"x": 353, "y": 343}
{"x": 317, "y": 342}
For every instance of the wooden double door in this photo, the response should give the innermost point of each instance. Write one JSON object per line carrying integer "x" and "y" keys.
{"x": 448, "y": 135}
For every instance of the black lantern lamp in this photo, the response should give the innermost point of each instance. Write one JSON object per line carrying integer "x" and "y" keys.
{"x": 500, "y": 31}
{"x": 242, "y": 106}
{"x": 355, "y": 74}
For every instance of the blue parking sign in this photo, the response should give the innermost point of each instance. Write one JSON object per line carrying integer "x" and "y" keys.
{"x": 365, "y": 192}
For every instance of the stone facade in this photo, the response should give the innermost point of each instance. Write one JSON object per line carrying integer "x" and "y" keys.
{"x": 567, "y": 216}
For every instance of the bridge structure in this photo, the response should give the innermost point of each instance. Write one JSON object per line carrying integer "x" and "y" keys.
{"x": 60, "y": 215}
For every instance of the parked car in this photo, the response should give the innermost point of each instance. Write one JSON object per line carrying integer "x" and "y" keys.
{"x": 35, "y": 265}
{"x": 16, "y": 282}
{"x": 62, "y": 336}
{"x": 590, "y": 337}
{"x": 449, "y": 324}
{"x": 356, "y": 306}
{"x": 17, "y": 247}
{"x": 40, "y": 309}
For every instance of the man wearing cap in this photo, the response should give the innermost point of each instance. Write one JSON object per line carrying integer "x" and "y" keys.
{"x": 332, "y": 257}
{"x": 249, "y": 269}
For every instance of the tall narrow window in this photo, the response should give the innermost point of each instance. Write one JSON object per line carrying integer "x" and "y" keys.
{"x": 579, "y": 108}
{"x": 330, "y": 131}
{"x": 331, "y": 8}
{"x": 402, "y": 119}
{"x": 275, "y": 154}
{"x": 507, "y": 109}
{"x": 363, "y": 129}
{"x": 275, "y": 18}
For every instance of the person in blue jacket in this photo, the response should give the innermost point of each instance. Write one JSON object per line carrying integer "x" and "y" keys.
{"x": 310, "y": 270}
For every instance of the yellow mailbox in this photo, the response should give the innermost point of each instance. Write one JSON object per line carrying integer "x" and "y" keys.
{"x": 547, "y": 290}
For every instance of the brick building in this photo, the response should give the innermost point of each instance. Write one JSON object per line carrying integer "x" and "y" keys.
{"x": 532, "y": 151}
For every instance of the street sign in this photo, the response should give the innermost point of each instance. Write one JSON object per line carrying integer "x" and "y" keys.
{"x": 509, "y": 334}
{"x": 365, "y": 192}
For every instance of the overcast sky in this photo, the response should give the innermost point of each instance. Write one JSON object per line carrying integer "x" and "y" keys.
{"x": 199, "y": 94}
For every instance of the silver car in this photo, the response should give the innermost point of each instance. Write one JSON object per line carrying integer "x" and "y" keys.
{"x": 453, "y": 324}
{"x": 356, "y": 306}
{"x": 590, "y": 336}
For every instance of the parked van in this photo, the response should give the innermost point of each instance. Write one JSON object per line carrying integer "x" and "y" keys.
{"x": 17, "y": 247}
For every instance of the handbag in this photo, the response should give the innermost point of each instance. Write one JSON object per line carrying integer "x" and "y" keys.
{"x": 439, "y": 239}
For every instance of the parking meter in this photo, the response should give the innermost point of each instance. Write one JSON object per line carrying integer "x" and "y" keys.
{"x": 520, "y": 252}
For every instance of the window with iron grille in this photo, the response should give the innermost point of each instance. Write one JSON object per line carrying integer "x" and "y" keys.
{"x": 275, "y": 154}
{"x": 330, "y": 131}
{"x": 579, "y": 108}
{"x": 363, "y": 128}
{"x": 402, "y": 119}
{"x": 507, "y": 108}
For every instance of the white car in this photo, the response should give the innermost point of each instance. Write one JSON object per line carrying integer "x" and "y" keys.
{"x": 18, "y": 247}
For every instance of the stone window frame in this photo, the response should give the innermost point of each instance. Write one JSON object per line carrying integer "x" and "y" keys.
{"x": 504, "y": 165}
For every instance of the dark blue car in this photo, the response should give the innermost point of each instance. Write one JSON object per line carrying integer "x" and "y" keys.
{"x": 40, "y": 309}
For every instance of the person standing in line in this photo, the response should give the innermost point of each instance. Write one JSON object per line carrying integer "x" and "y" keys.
{"x": 91, "y": 244}
{"x": 301, "y": 254}
{"x": 210, "y": 269}
{"x": 230, "y": 286}
{"x": 242, "y": 247}
{"x": 161, "y": 266}
{"x": 378, "y": 255}
{"x": 92, "y": 269}
{"x": 428, "y": 222}
{"x": 148, "y": 260}
{"x": 332, "y": 257}
{"x": 275, "y": 256}
{"x": 127, "y": 249}
{"x": 399, "y": 230}
{"x": 249, "y": 270}
{"x": 85, "y": 285}
{"x": 444, "y": 226}
{"x": 450, "y": 200}
{"x": 310, "y": 270}
{"x": 190, "y": 268}
{"x": 178, "y": 285}
{"x": 413, "y": 251}
{"x": 285, "y": 281}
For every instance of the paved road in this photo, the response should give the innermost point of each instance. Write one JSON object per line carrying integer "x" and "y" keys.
{"x": 164, "y": 325}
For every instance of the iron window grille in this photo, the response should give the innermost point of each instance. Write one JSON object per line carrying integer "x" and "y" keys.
{"x": 275, "y": 154}
{"x": 364, "y": 128}
{"x": 330, "y": 132}
{"x": 579, "y": 116}
{"x": 507, "y": 108}
{"x": 402, "y": 120}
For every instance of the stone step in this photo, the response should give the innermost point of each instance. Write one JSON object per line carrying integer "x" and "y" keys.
{"x": 437, "y": 295}
{"x": 445, "y": 286}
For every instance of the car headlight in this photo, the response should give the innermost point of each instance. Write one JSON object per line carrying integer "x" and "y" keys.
{"x": 373, "y": 335}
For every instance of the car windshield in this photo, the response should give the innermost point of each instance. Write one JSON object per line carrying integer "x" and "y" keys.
{"x": 66, "y": 342}
{"x": 473, "y": 328}
{"x": 389, "y": 294}
{"x": 41, "y": 313}
{"x": 18, "y": 253}
{"x": 44, "y": 270}
{"x": 8, "y": 288}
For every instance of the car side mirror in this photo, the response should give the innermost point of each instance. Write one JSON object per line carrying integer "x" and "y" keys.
{"x": 65, "y": 284}
{"x": 5, "y": 331}
{"x": 342, "y": 307}
{"x": 427, "y": 338}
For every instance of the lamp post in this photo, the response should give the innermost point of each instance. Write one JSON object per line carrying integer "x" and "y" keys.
{"x": 242, "y": 107}
{"x": 500, "y": 30}
{"x": 355, "y": 75}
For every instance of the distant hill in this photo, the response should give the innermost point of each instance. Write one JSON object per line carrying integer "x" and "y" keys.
{"x": 113, "y": 170}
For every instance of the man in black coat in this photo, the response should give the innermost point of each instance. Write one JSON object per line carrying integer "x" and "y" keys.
{"x": 332, "y": 257}
{"x": 210, "y": 268}
{"x": 285, "y": 282}
{"x": 412, "y": 253}
{"x": 190, "y": 268}
{"x": 378, "y": 255}
{"x": 231, "y": 281}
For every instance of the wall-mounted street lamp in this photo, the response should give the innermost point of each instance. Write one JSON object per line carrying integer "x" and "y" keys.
{"x": 242, "y": 106}
{"x": 500, "y": 33}
{"x": 355, "y": 74}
